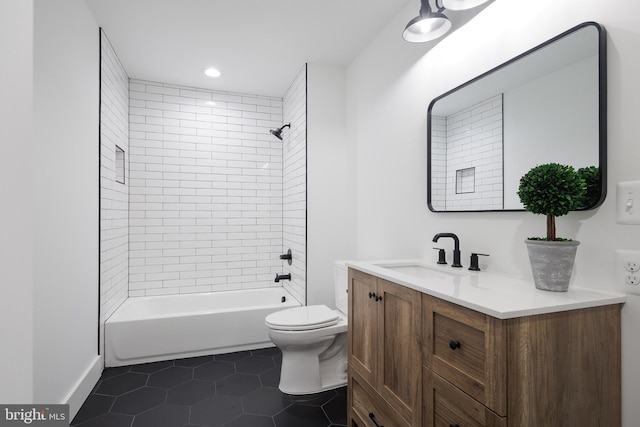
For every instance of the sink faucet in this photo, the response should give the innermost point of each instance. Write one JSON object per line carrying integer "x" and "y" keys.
{"x": 456, "y": 247}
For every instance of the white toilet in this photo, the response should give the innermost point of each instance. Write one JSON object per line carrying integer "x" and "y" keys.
{"x": 313, "y": 341}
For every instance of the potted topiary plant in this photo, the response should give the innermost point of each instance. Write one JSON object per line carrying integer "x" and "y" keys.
{"x": 591, "y": 177}
{"x": 553, "y": 190}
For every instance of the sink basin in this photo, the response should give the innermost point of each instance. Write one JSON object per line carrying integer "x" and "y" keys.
{"x": 419, "y": 270}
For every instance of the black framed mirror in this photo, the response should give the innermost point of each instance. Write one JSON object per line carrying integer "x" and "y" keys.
{"x": 548, "y": 104}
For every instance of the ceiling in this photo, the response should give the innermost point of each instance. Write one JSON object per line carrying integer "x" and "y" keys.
{"x": 258, "y": 45}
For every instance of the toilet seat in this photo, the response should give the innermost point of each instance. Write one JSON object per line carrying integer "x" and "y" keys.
{"x": 302, "y": 318}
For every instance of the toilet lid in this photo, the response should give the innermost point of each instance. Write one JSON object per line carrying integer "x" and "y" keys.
{"x": 302, "y": 318}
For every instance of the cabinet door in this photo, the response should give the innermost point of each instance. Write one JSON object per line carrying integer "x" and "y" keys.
{"x": 369, "y": 410}
{"x": 447, "y": 406}
{"x": 362, "y": 336}
{"x": 399, "y": 361}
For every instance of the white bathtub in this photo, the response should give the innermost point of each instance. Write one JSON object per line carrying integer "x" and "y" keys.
{"x": 150, "y": 329}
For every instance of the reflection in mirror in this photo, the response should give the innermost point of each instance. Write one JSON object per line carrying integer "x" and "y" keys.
{"x": 546, "y": 105}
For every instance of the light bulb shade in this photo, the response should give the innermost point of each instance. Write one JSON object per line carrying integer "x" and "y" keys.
{"x": 426, "y": 27}
{"x": 462, "y": 4}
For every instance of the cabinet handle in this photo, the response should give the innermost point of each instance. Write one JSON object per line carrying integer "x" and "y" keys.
{"x": 374, "y": 296}
{"x": 373, "y": 418}
{"x": 454, "y": 345}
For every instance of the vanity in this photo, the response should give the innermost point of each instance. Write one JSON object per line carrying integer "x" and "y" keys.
{"x": 436, "y": 346}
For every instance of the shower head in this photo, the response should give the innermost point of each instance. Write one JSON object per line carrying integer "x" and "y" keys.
{"x": 278, "y": 132}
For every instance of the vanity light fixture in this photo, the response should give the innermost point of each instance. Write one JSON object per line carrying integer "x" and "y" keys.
{"x": 462, "y": 4}
{"x": 427, "y": 25}
{"x": 212, "y": 72}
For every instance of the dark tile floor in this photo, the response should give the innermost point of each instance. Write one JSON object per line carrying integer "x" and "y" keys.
{"x": 230, "y": 390}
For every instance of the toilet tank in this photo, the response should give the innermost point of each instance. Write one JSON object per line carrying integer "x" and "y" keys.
{"x": 340, "y": 285}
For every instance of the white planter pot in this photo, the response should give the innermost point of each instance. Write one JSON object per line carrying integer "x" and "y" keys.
{"x": 552, "y": 263}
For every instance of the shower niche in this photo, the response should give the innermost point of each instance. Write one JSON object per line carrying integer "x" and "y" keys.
{"x": 120, "y": 162}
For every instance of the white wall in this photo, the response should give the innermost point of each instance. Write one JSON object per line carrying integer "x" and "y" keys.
{"x": 65, "y": 178}
{"x": 16, "y": 215}
{"x": 562, "y": 110}
{"x": 331, "y": 202}
{"x": 389, "y": 87}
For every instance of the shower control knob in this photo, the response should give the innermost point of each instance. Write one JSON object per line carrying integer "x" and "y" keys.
{"x": 287, "y": 256}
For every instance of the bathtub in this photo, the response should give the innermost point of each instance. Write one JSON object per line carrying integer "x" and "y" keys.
{"x": 150, "y": 329}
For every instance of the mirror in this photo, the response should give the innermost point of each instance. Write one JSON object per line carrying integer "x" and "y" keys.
{"x": 545, "y": 105}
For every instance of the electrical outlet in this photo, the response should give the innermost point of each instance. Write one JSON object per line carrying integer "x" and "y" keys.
{"x": 631, "y": 265}
{"x": 628, "y": 271}
{"x": 632, "y": 279}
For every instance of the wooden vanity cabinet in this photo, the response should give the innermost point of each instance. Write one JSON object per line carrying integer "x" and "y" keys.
{"x": 548, "y": 370}
{"x": 416, "y": 360}
{"x": 384, "y": 352}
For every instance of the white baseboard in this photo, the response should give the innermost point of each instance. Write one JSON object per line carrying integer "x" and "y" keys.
{"x": 83, "y": 387}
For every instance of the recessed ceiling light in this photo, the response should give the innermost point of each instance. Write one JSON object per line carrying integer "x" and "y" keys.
{"x": 210, "y": 103}
{"x": 212, "y": 72}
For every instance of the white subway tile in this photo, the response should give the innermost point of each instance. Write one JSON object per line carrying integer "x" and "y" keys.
{"x": 233, "y": 174}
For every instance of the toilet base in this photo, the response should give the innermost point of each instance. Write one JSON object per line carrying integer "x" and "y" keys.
{"x": 313, "y": 370}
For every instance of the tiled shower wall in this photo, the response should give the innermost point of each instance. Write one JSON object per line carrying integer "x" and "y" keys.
{"x": 473, "y": 143}
{"x": 114, "y": 196}
{"x": 205, "y": 190}
{"x": 295, "y": 184}
{"x": 438, "y": 162}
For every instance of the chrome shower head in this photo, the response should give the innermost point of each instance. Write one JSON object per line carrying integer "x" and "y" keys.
{"x": 278, "y": 132}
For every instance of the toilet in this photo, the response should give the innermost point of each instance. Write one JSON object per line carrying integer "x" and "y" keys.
{"x": 313, "y": 341}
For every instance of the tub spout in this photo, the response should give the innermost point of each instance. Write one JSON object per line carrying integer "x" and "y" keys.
{"x": 282, "y": 277}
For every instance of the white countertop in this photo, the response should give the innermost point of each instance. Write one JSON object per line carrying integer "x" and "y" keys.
{"x": 496, "y": 295}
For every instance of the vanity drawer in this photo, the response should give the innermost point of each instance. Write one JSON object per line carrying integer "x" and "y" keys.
{"x": 468, "y": 349}
{"x": 445, "y": 405}
{"x": 370, "y": 410}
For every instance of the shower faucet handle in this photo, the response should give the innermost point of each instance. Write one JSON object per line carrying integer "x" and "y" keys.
{"x": 287, "y": 256}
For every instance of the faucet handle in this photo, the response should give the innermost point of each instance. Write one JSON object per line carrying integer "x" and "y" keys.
{"x": 441, "y": 256}
{"x": 474, "y": 261}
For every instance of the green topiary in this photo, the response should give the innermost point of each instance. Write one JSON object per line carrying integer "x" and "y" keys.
{"x": 591, "y": 177}
{"x": 552, "y": 190}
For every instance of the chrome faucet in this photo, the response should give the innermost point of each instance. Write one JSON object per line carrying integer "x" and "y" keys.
{"x": 456, "y": 247}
